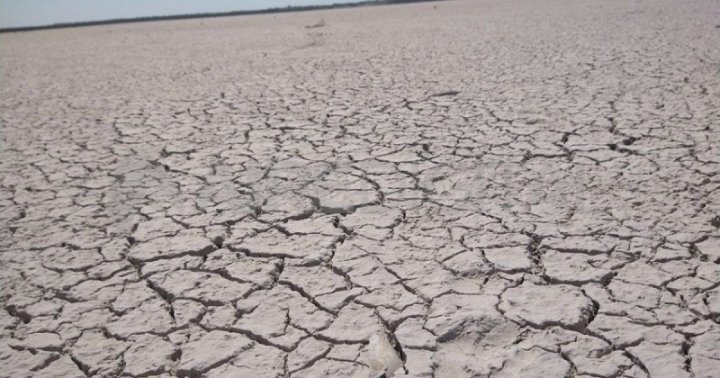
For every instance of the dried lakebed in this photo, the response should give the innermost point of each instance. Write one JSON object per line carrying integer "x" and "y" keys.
{"x": 510, "y": 188}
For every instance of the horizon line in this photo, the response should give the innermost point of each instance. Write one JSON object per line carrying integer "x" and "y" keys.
{"x": 129, "y": 20}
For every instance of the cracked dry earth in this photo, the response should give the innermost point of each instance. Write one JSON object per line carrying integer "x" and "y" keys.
{"x": 510, "y": 188}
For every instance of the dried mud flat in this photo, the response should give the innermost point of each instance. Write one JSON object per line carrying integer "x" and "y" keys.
{"x": 511, "y": 188}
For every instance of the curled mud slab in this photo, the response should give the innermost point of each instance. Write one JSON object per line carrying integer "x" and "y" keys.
{"x": 511, "y": 188}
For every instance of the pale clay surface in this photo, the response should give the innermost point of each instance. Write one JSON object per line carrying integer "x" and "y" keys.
{"x": 512, "y": 188}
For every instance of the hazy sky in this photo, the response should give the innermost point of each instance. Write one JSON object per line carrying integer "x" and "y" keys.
{"x": 43, "y": 12}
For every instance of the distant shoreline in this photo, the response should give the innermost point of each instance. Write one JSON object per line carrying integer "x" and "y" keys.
{"x": 209, "y": 15}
